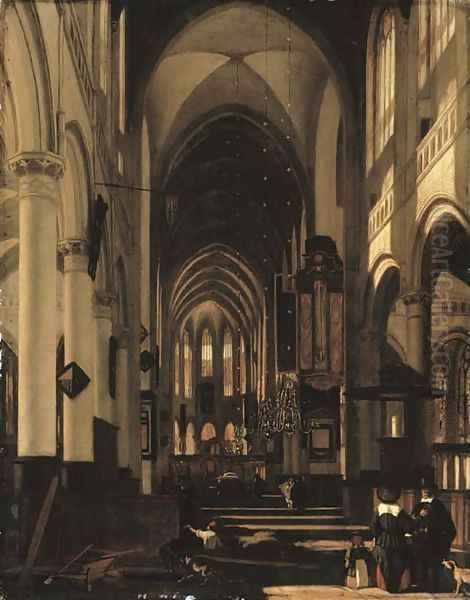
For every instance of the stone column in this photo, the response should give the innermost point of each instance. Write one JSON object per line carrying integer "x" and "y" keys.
{"x": 287, "y": 456}
{"x": 422, "y": 412}
{"x": 37, "y": 174}
{"x": 370, "y": 412}
{"x": 122, "y": 391}
{"x": 105, "y": 406}
{"x": 79, "y": 346}
{"x": 296, "y": 450}
{"x": 416, "y": 303}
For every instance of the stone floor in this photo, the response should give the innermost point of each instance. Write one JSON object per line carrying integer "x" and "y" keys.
{"x": 150, "y": 590}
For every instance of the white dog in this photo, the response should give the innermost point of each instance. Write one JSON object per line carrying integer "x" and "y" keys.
{"x": 461, "y": 576}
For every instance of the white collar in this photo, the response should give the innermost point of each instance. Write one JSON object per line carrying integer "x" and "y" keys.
{"x": 388, "y": 509}
{"x": 427, "y": 500}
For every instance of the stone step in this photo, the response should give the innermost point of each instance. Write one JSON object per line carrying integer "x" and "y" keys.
{"x": 285, "y": 519}
{"x": 295, "y": 531}
{"x": 330, "y": 511}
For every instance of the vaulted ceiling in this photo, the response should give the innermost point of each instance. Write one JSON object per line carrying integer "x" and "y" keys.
{"x": 238, "y": 55}
{"x": 232, "y": 99}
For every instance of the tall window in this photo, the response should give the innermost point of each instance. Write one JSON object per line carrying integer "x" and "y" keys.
{"x": 103, "y": 43}
{"x": 177, "y": 369}
{"x": 385, "y": 81}
{"x": 228, "y": 363}
{"x": 424, "y": 42}
{"x": 8, "y": 389}
{"x": 206, "y": 354}
{"x": 177, "y": 449}
{"x": 451, "y": 386}
{"x": 122, "y": 72}
{"x": 442, "y": 27}
{"x": 463, "y": 397}
{"x": 242, "y": 366}
{"x": 188, "y": 366}
{"x": 190, "y": 440}
{"x": 440, "y": 390}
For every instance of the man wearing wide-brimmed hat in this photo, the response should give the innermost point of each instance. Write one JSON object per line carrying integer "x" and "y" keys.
{"x": 389, "y": 526}
{"x": 436, "y": 533}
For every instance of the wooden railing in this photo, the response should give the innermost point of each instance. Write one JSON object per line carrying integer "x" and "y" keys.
{"x": 452, "y": 466}
{"x": 381, "y": 213}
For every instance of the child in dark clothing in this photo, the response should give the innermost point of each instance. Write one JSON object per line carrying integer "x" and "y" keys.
{"x": 358, "y": 561}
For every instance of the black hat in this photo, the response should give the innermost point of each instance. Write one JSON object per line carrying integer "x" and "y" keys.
{"x": 427, "y": 483}
{"x": 388, "y": 493}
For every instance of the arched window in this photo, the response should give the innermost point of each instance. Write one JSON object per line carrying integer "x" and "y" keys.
{"x": 384, "y": 113}
{"x": 208, "y": 433}
{"x": 188, "y": 366}
{"x": 228, "y": 363}
{"x": 177, "y": 438}
{"x": 230, "y": 439}
{"x": 176, "y": 367}
{"x": 103, "y": 44}
{"x": 8, "y": 389}
{"x": 190, "y": 439}
{"x": 242, "y": 366}
{"x": 206, "y": 354}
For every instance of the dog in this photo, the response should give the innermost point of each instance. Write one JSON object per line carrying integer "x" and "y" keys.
{"x": 173, "y": 554}
{"x": 198, "y": 569}
{"x": 461, "y": 576}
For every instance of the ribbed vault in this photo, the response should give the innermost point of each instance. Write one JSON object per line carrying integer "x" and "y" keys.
{"x": 219, "y": 274}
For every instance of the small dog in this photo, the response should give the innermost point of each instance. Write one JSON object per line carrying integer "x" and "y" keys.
{"x": 197, "y": 566}
{"x": 461, "y": 576}
{"x": 198, "y": 569}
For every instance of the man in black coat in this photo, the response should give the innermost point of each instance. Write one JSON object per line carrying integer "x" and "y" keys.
{"x": 434, "y": 533}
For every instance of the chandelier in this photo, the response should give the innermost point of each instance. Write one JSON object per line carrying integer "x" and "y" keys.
{"x": 283, "y": 414}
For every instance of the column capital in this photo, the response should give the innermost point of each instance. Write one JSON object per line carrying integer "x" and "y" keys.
{"x": 123, "y": 338}
{"x": 37, "y": 163}
{"x": 73, "y": 247}
{"x": 420, "y": 297}
{"x": 103, "y": 302}
{"x": 104, "y": 298}
{"x": 75, "y": 255}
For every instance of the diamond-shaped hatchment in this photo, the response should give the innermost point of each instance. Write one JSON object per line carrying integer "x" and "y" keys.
{"x": 72, "y": 380}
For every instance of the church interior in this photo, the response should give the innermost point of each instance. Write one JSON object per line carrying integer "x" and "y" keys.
{"x": 235, "y": 244}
